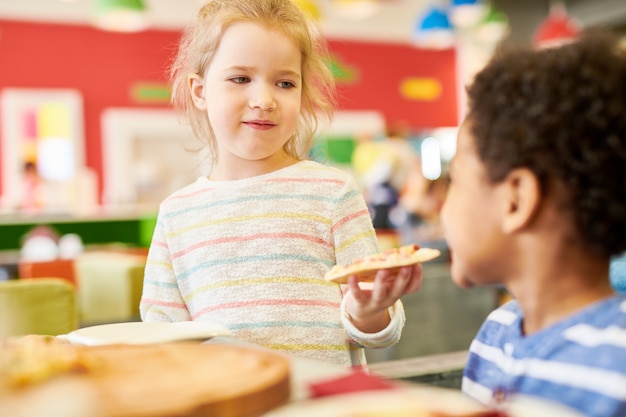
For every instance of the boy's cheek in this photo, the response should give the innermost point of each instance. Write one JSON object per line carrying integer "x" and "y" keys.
{"x": 444, "y": 216}
{"x": 459, "y": 277}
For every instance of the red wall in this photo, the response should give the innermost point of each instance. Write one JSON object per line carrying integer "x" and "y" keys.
{"x": 105, "y": 66}
{"x": 381, "y": 69}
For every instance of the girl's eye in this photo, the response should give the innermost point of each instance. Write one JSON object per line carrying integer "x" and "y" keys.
{"x": 286, "y": 84}
{"x": 240, "y": 80}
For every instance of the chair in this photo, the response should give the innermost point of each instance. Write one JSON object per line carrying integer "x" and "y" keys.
{"x": 45, "y": 306}
{"x": 109, "y": 286}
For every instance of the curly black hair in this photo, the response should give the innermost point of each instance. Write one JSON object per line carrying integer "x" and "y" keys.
{"x": 560, "y": 112}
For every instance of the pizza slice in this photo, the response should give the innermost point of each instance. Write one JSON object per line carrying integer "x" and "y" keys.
{"x": 33, "y": 359}
{"x": 365, "y": 268}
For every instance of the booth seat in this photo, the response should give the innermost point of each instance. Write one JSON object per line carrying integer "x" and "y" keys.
{"x": 45, "y": 306}
{"x": 107, "y": 282}
{"x": 59, "y": 268}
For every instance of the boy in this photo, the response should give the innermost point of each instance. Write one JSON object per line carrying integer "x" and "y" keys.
{"x": 537, "y": 203}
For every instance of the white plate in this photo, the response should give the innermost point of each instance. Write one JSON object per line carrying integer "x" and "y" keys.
{"x": 137, "y": 333}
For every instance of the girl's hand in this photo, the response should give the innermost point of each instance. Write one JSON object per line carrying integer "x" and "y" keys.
{"x": 368, "y": 307}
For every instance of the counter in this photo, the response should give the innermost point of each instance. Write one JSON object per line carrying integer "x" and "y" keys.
{"x": 133, "y": 227}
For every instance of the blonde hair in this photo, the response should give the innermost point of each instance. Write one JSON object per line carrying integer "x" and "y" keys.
{"x": 201, "y": 40}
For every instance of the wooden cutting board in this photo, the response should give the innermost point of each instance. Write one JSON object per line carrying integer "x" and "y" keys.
{"x": 181, "y": 380}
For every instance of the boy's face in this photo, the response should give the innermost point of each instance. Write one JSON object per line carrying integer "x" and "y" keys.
{"x": 471, "y": 217}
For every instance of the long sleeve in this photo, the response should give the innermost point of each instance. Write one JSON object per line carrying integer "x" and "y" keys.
{"x": 388, "y": 336}
{"x": 352, "y": 229}
{"x": 354, "y": 237}
{"x": 161, "y": 299}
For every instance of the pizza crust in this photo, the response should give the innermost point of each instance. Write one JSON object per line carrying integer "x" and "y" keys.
{"x": 365, "y": 268}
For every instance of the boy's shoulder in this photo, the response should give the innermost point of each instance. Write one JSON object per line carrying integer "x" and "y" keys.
{"x": 603, "y": 317}
{"x": 506, "y": 313}
{"x": 608, "y": 313}
{"x": 593, "y": 336}
{"x": 614, "y": 306}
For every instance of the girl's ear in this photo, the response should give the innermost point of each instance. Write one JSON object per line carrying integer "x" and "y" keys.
{"x": 524, "y": 198}
{"x": 196, "y": 87}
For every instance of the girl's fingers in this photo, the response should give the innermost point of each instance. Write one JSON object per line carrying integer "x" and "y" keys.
{"x": 353, "y": 285}
{"x": 380, "y": 292}
{"x": 399, "y": 284}
{"x": 360, "y": 295}
{"x": 416, "y": 279}
{"x": 386, "y": 291}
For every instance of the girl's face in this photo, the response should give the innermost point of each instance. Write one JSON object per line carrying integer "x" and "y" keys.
{"x": 252, "y": 95}
{"x": 471, "y": 218}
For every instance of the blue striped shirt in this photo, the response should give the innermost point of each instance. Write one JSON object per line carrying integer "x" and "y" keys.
{"x": 579, "y": 361}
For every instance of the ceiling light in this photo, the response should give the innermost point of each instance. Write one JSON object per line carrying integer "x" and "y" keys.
{"x": 467, "y": 13}
{"x": 494, "y": 27}
{"x": 356, "y": 9}
{"x": 434, "y": 31}
{"x": 309, "y": 8}
{"x": 558, "y": 28}
{"x": 120, "y": 15}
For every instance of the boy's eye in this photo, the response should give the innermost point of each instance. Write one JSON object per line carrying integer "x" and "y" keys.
{"x": 240, "y": 80}
{"x": 286, "y": 84}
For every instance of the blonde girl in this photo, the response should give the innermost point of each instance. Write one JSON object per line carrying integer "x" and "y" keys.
{"x": 248, "y": 246}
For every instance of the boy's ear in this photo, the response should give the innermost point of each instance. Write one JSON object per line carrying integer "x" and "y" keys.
{"x": 196, "y": 87}
{"x": 524, "y": 198}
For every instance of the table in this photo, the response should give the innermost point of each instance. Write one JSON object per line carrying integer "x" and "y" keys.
{"x": 398, "y": 398}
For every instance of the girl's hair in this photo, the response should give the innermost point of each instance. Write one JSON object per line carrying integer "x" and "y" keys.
{"x": 561, "y": 113}
{"x": 200, "y": 42}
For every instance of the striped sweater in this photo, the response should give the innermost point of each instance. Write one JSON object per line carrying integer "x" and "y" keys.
{"x": 251, "y": 255}
{"x": 579, "y": 362}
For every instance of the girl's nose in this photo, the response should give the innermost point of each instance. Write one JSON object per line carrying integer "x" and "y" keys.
{"x": 263, "y": 99}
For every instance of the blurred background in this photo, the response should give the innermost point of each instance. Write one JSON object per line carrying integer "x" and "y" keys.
{"x": 86, "y": 122}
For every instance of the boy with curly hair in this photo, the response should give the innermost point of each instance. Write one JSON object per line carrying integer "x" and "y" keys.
{"x": 537, "y": 203}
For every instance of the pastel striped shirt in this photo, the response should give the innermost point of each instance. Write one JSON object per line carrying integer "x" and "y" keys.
{"x": 251, "y": 255}
{"x": 579, "y": 362}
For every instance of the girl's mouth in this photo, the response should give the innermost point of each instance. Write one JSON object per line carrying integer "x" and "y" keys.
{"x": 260, "y": 124}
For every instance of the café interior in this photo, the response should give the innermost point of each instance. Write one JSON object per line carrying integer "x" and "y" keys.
{"x": 89, "y": 147}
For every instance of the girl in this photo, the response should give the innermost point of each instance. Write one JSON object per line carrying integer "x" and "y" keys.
{"x": 248, "y": 245}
